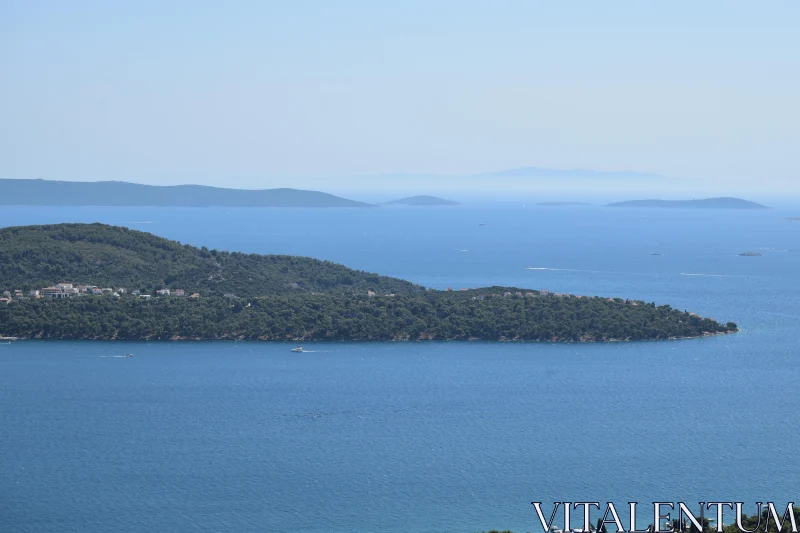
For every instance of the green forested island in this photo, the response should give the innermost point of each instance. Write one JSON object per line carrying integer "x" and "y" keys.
{"x": 275, "y": 297}
{"x": 113, "y": 256}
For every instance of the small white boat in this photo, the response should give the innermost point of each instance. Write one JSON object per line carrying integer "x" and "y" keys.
{"x": 128, "y": 355}
{"x": 299, "y": 349}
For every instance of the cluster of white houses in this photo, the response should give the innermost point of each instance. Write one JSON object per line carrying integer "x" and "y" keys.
{"x": 68, "y": 290}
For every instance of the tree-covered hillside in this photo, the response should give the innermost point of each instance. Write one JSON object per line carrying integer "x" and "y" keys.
{"x": 430, "y": 315}
{"x": 271, "y": 297}
{"x": 32, "y": 257}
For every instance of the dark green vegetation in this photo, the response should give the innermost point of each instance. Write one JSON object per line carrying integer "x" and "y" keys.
{"x": 751, "y": 522}
{"x": 32, "y": 257}
{"x": 707, "y": 203}
{"x": 284, "y": 298}
{"x": 119, "y": 193}
{"x": 422, "y": 200}
{"x": 430, "y": 315}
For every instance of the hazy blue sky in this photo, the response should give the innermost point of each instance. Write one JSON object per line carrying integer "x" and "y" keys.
{"x": 251, "y": 93}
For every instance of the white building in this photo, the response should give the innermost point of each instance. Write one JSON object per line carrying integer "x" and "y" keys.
{"x": 57, "y": 292}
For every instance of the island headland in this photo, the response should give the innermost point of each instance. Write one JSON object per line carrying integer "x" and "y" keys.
{"x": 95, "y": 281}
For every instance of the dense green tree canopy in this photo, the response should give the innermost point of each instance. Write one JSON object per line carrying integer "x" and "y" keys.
{"x": 285, "y": 298}
{"x": 431, "y": 315}
{"x": 32, "y": 257}
{"x": 766, "y": 522}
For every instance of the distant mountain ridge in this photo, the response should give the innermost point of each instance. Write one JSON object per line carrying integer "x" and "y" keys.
{"x": 536, "y": 172}
{"x": 705, "y": 203}
{"x": 421, "y": 200}
{"x": 578, "y": 173}
{"x": 121, "y": 193}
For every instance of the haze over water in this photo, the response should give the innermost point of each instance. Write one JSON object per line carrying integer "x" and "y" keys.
{"x": 423, "y": 437}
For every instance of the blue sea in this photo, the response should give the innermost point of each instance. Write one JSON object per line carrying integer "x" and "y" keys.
{"x": 421, "y": 437}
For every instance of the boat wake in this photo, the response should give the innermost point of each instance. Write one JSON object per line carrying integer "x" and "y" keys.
{"x": 709, "y": 275}
{"x": 567, "y": 270}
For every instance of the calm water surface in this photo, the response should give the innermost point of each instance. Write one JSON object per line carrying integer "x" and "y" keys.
{"x": 420, "y": 437}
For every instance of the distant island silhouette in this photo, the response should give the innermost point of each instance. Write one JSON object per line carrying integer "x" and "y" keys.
{"x": 575, "y": 173}
{"x": 706, "y": 203}
{"x": 520, "y": 175}
{"x": 421, "y": 200}
{"x": 120, "y": 193}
